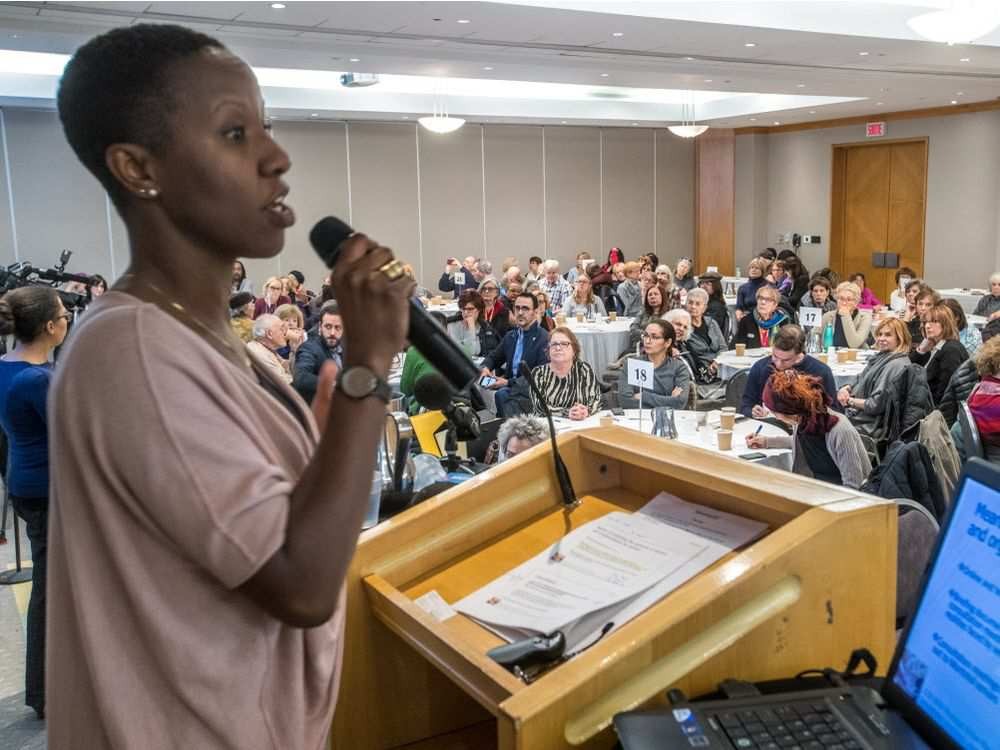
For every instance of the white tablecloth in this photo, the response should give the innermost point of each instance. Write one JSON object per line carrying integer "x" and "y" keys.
{"x": 976, "y": 320}
{"x": 843, "y": 373}
{"x": 967, "y": 298}
{"x": 448, "y": 308}
{"x": 602, "y": 341}
{"x": 690, "y": 433}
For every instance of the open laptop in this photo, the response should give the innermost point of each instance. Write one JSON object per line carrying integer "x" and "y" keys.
{"x": 943, "y": 686}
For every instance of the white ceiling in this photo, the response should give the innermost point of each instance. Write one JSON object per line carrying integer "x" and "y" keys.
{"x": 796, "y": 63}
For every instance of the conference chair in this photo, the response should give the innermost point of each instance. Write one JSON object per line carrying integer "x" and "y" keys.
{"x": 971, "y": 440}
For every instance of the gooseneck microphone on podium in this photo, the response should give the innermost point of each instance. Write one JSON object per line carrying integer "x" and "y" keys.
{"x": 424, "y": 333}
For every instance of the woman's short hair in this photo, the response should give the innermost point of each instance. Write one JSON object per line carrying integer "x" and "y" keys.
{"x": 829, "y": 273}
{"x": 698, "y": 294}
{"x": 528, "y": 429}
{"x": 899, "y": 330}
{"x": 631, "y": 266}
{"x": 822, "y": 281}
{"x": 287, "y": 312}
{"x": 666, "y": 329}
{"x": 915, "y": 283}
{"x": 995, "y": 277}
{"x": 779, "y": 264}
{"x": 25, "y": 311}
{"x": 645, "y": 299}
{"x": 926, "y": 291}
{"x": 98, "y": 280}
{"x": 769, "y": 291}
{"x": 905, "y": 271}
{"x": 118, "y": 88}
{"x": 760, "y": 264}
{"x": 956, "y": 309}
{"x": 988, "y": 358}
{"x": 849, "y": 286}
{"x": 474, "y": 298}
{"x": 488, "y": 281}
{"x": 273, "y": 280}
{"x": 664, "y": 268}
{"x": 940, "y": 314}
{"x": 238, "y": 301}
{"x": 618, "y": 267}
{"x": 262, "y": 324}
{"x": 769, "y": 252}
{"x": 574, "y": 342}
{"x": 534, "y": 259}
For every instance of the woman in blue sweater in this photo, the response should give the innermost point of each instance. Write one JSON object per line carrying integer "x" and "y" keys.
{"x": 746, "y": 295}
{"x": 38, "y": 320}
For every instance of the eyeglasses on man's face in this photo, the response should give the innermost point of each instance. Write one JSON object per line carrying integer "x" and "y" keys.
{"x": 523, "y": 308}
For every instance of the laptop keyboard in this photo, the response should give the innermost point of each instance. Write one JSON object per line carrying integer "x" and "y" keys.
{"x": 796, "y": 726}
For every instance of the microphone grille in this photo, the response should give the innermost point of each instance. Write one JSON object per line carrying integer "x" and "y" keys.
{"x": 326, "y": 237}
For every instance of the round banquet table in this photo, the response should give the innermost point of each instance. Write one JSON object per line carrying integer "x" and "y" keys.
{"x": 967, "y": 298}
{"x": 700, "y": 436}
{"x": 602, "y": 341}
{"x": 844, "y": 373}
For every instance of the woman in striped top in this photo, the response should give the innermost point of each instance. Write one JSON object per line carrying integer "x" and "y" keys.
{"x": 568, "y": 384}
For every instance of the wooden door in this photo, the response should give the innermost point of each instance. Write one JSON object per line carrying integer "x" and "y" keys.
{"x": 878, "y": 206}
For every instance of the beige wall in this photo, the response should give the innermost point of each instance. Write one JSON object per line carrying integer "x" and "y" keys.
{"x": 489, "y": 191}
{"x": 963, "y": 192}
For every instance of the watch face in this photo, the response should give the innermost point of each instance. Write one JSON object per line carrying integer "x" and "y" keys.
{"x": 358, "y": 382}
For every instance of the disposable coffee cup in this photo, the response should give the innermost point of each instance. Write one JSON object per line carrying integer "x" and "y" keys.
{"x": 741, "y": 350}
{"x": 607, "y": 421}
{"x": 852, "y": 355}
{"x": 842, "y": 355}
{"x": 727, "y": 418}
{"x": 612, "y": 316}
{"x": 560, "y": 319}
{"x": 821, "y": 356}
{"x": 725, "y": 440}
{"x": 579, "y": 317}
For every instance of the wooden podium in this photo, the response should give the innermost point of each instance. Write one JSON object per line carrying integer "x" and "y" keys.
{"x": 819, "y": 584}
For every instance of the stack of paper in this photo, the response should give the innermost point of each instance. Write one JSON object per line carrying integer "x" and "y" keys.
{"x": 601, "y": 575}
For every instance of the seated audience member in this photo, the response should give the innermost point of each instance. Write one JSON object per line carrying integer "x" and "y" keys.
{"x": 509, "y": 262}
{"x": 519, "y": 433}
{"x": 483, "y": 269}
{"x": 615, "y": 257}
{"x": 746, "y": 295}
{"x": 495, "y": 311}
{"x": 98, "y": 286}
{"x": 534, "y": 268}
{"x": 323, "y": 345}
{"x": 968, "y": 335}
{"x": 555, "y": 286}
{"x": 511, "y": 276}
{"x": 671, "y": 376}
{"x": 681, "y": 322}
{"x": 580, "y": 269}
{"x": 897, "y": 300}
{"x": 471, "y": 331}
{"x": 924, "y": 300}
{"x": 629, "y": 290}
{"x": 830, "y": 275}
{"x": 617, "y": 274}
{"x": 867, "y": 300}
{"x": 769, "y": 254}
{"x": 717, "y": 309}
{"x": 851, "y": 326}
{"x": 415, "y": 366}
{"x": 299, "y": 294}
{"x": 295, "y": 330}
{"x": 272, "y": 298}
{"x": 684, "y": 274}
{"x": 800, "y": 280}
{"x": 826, "y": 446}
{"x": 705, "y": 341}
{"x": 545, "y": 317}
{"x": 756, "y": 329}
{"x": 240, "y": 281}
{"x": 35, "y": 316}
{"x": 778, "y": 276}
{"x": 788, "y": 352}
{"x": 568, "y": 384}
{"x": 965, "y": 378}
{"x": 527, "y": 343}
{"x": 989, "y": 305}
{"x": 673, "y": 294}
{"x": 458, "y": 277}
{"x": 654, "y": 307}
{"x": 864, "y": 401}
{"x": 241, "y": 306}
{"x": 984, "y": 401}
{"x": 583, "y": 299}
{"x": 270, "y": 333}
{"x": 940, "y": 351}
{"x": 514, "y": 288}
{"x": 820, "y": 295}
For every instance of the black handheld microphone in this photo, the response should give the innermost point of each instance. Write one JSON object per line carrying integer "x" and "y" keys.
{"x": 562, "y": 473}
{"x": 424, "y": 333}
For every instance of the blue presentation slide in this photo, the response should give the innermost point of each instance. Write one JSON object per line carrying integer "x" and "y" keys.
{"x": 951, "y": 663}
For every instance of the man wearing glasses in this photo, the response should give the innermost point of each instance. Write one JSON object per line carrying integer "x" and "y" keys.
{"x": 528, "y": 343}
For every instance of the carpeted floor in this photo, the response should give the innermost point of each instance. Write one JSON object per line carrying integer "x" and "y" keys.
{"x": 19, "y": 729}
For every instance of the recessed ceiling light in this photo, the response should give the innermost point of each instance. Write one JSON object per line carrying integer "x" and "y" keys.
{"x": 863, "y": 54}
{"x": 776, "y": 122}
{"x": 487, "y": 67}
{"x": 464, "y": 20}
{"x": 959, "y": 93}
{"x": 812, "y": 111}
{"x": 563, "y": 122}
{"x": 954, "y": 101}
{"x": 753, "y": 119}
{"x": 708, "y": 80}
{"x": 879, "y": 104}
{"x": 750, "y": 44}
{"x": 800, "y": 85}
{"x": 966, "y": 59}
{"x": 689, "y": 58}
{"x": 355, "y": 59}
{"x": 277, "y": 6}
{"x": 618, "y": 33}
{"x": 314, "y": 114}
{"x": 604, "y": 75}
{"x": 406, "y": 117}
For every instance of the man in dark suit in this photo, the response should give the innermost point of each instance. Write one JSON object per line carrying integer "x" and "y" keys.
{"x": 322, "y": 344}
{"x": 528, "y": 344}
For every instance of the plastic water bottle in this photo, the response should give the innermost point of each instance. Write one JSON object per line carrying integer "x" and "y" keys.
{"x": 828, "y": 337}
{"x": 375, "y": 493}
{"x": 739, "y": 272}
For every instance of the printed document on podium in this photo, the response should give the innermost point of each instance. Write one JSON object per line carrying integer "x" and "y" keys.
{"x": 608, "y": 570}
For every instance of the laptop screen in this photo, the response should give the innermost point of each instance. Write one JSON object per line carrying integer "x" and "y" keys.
{"x": 949, "y": 666}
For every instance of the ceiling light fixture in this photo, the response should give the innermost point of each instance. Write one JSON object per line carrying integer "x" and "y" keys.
{"x": 953, "y": 101}
{"x": 965, "y": 59}
{"x": 277, "y": 6}
{"x": 688, "y": 127}
{"x": 440, "y": 122}
{"x": 708, "y": 80}
{"x": 863, "y": 54}
{"x": 464, "y": 20}
{"x": 879, "y": 104}
{"x": 750, "y": 44}
{"x": 487, "y": 67}
{"x": 959, "y": 93}
{"x": 753, "y": 119}
{"x": 604, "y": 75}
{"x": 800, "y": 85}
{"x": 355, "y": 59}
{"x": 689, "y": 58}
{"x": 314, "y": 114}
{"x": 617, "y": 33}
{"x": 812, "y": 111}
{"x": 776, "y": 122}
{"x": 959, "y": 24}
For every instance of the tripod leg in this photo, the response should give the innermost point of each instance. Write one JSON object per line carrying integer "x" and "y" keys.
{"x": 19, "y": 574}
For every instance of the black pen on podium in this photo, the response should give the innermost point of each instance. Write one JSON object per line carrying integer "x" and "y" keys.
{"x": 569, "y": 498}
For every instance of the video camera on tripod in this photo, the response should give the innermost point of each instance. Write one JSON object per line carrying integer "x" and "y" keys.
{"x": 24, "y": 274}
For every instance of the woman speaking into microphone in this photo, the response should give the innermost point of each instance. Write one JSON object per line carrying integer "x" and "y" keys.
{"x": 196, "y": 576}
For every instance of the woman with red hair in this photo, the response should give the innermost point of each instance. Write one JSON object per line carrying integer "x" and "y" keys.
{"x": 826, "y": 444}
